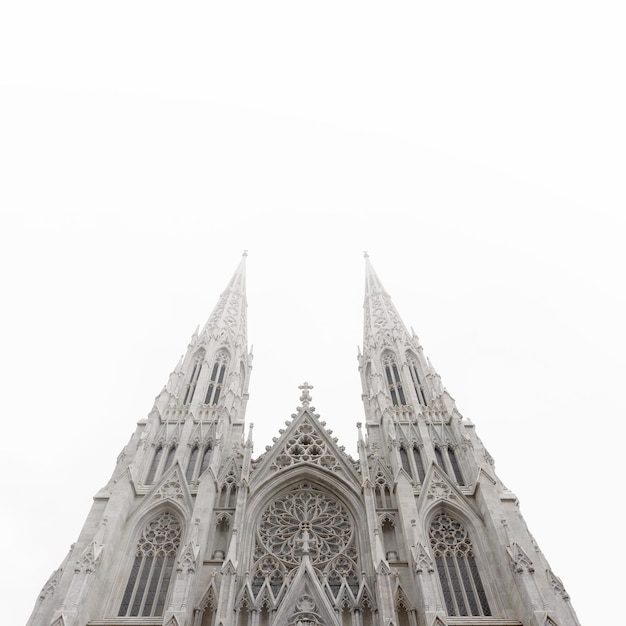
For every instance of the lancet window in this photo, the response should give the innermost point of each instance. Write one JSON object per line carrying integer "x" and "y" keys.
{"x": 198, "y": 462}
{"x": 447, "y": 460}
{"x": 420, "y": 391}
{"x": 419, "y": 463}
{"x": 193, "y": 378}
{"x": 460, "y": 580}
{"x": 404, "y": 459}
{"x": 152, "y": 569}
{"x": 216, "y": 380}
{"x": 415, "y": 466}
{"x": 154, "y": 465}
{"x": 394, "y": 382}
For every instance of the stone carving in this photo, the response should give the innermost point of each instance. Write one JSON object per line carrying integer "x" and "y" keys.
{"x": 305, "y": 518}
{"x": 170, "y": 490}
{"x": 521, "y": 561}
{"x": 438, "y": 489}
{"x": 306, "y": 446}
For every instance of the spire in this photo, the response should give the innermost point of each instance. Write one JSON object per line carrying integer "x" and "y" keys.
{"x": 382, "y": 323}
{"x": 372, "y": 282}
{"x": 227, "y": 322}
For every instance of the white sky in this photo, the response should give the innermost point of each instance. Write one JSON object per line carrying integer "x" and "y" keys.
{"x": 476, "y": 150}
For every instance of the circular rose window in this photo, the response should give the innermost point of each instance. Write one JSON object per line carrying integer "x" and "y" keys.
{"x": 306, "y": 519}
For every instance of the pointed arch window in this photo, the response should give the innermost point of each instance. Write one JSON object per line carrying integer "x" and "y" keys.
{"x": 419, "y": 464}
{"x": 216, "y": 381}
{"x": 447, "y": 460}
{"x": 460, "y": 580}
{"x": 169, "y": 459}
{"x": 456, "y": 468}
{"x": 193, "y": 379}
{"x": 195, "y": 469}
{"x": 151, "y": 573}
{"x": 394, "y": 382}
{"x": 417, "y": 381}
{"x": 406, "y": 465}
{"x": 191, "y": 465}
{"x": 154, "y": 466}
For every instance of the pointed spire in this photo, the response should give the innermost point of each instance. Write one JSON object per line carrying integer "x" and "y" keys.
{"x": 372, "y": 282}
{"x": 382, "y": 323}
{"x": 238, "y": 281}
{"x": 228, "y": 319}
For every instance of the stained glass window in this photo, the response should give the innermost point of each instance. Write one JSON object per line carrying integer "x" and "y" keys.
{"x": 462, "y": 587}
{"x": 153, "y": 567}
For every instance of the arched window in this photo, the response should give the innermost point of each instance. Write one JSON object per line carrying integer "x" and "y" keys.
{"x": 394, "y": 383}
{"x": 150, "y": 576}
{"x": 190, "y": 473}
{"x": 458, "y": 574}
{"x": 456, "y": 468}
{"x": 169, "y": 459}
{"x": 206, "y": 458}
{"x": 419, "y": 464}
{"x": 216, "y": 381}
{"x": 193, "y": 379}
{"x": 446, "y": 459}
{"x": 417, "y": 382}
{"x": 439, "y": 457}
{"x": 406, "y": 465}
{"x": 191, "y": 465}
{"x": 154, "y": 466}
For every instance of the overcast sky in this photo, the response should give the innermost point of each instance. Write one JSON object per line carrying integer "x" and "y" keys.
{"x": 476, "y": 150}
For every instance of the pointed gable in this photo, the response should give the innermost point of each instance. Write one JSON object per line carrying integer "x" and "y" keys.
{"x": 306, "y": 441}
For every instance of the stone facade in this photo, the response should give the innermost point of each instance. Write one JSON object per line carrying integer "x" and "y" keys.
{"x": 191, "y": 530}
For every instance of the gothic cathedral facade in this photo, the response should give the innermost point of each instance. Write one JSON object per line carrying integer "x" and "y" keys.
{"x": 192, "y": 530}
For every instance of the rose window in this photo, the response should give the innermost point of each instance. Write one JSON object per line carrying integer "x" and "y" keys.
{"x": 306, "y": 520}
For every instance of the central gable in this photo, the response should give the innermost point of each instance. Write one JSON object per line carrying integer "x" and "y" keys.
{"x": 305, "y": 442}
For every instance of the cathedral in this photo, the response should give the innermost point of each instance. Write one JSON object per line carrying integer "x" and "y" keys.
{"x": 193, "y": 530}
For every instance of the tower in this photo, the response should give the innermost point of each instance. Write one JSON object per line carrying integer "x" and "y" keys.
{"x": 193, "y": 530}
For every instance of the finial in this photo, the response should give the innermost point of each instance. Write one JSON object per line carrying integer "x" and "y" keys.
{"x": 245, "y": 253}
{"x": 305, "y": 398}
{"x": 366, "y": 254}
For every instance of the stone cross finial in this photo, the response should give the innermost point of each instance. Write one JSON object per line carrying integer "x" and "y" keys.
{"x": 305, "y": 398}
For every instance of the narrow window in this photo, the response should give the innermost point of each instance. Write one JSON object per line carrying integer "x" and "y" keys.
{"x": 419, "y": 465}
{"x": 406, "y": 465}
{"x": 191, "y": 466}
{"x": 394, "y": 382}
{"x": 216, "y": 380}
{"x": 171, "y": 453}
{"x": 461, "y": 585}
{"x": 151, "y": 573}
{"x": 417, "y": 383}
{"x": 455, "y": 466}
{"x": 206, "y": 458}
{"x": 439, "y": 457}
{"x": 193, "y": 379}
{"x": 154, "y": 466}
